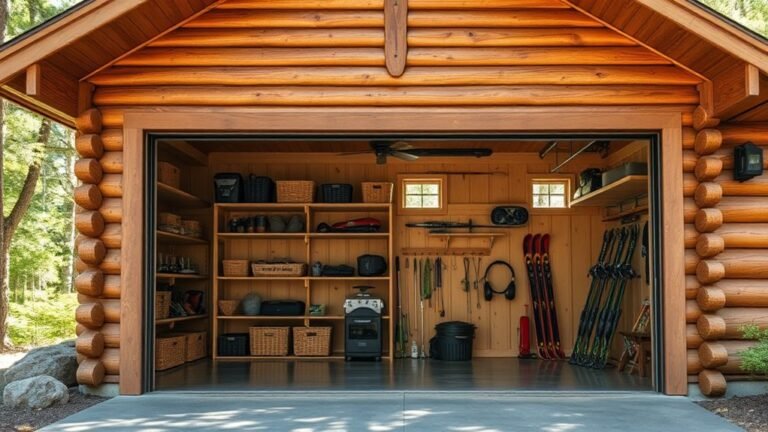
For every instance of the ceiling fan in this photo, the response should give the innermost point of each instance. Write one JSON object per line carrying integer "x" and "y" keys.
{"x": 405, "y": 151}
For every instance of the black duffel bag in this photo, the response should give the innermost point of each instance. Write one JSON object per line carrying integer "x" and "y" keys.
{"x": 342, "y": 270}
{"x": 371, "y": 265}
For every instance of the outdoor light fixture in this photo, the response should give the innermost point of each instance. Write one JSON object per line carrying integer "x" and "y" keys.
{"x": 747, "y": 162}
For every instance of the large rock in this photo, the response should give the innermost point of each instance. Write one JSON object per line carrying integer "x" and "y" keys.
{"x": 35, "y": 393}
{"x": 58, "y": 361}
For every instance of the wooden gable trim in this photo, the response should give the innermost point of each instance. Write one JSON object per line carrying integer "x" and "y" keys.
{"x": 48, "y": 40}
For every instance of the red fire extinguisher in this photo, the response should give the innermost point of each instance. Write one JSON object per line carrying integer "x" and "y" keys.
{"x": 524, "y": 335}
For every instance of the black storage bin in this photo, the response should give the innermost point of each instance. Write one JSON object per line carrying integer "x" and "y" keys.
{"x": 259, "y": 189}
{"x": 453, "y": 341}
{"x": 234, "y": 344}
{"x": 282, "y": 307}
{"x": 336, "y": 193}
{"x": 228, "y": 187}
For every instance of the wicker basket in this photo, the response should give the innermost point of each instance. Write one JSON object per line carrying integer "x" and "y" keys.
{"x": 197, "y": 346}
{"x": 269, "y": 341}
{"x": 192, "y": 228}
{"x": 279, "y": 269}
{"x": 228, "y": 307}
{"x": 170, "y": 351}
{"x": 169, "y": 174}
{"x": 162, "y": 304}
{"x": 295, "y": 191}
{"x": 377, "y": 192}
{"x": 312, "y": 341}
{"x": 235, "y": 267}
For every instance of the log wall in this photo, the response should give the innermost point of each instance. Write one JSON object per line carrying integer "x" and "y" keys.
{"x": 726, "y": 252}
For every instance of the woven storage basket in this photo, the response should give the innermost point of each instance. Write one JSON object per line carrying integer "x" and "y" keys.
{"x": 197, "y": 345}
{"x": 312, "y": 341}
{"x": 170, "y": 351}
{"x": 377, "y": 192}
{"x": 162, "y": 304}
{"x": 228, "y": 307}
{"x": 269, "y": 341}
{"x": 169, "y": 174}
{"x": 295, "y": 191}
{"x": 280, "y": 269}
{"x": 235, "y": 267}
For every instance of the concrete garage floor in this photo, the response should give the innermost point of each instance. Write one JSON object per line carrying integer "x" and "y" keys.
{"x": 393, "y": 411}
{"x": 483, "y": 374}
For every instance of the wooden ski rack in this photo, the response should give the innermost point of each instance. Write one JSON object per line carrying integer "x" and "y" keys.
{"x": 446, "y": 251}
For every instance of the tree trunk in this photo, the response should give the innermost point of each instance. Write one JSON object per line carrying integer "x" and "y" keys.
{"x": 3, "y": 267}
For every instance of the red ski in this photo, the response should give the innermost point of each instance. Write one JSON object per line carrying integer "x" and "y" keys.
{"x": 533, "y": 282}
{"x": 545, "y": 274}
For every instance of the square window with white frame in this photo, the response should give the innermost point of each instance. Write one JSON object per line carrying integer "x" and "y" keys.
{"x": 422, "y": 194}
{"x": 549, "y": 193}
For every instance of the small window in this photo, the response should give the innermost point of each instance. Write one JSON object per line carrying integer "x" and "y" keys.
{"x": 550, "y": 193}
{"x": 422, "y": 193}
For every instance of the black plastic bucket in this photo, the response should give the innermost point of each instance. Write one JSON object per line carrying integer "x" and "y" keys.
{"x": 453, "y": 341}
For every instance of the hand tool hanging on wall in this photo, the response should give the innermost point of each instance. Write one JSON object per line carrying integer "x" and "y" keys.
{"x": 599, "y": 274}
{"x": 426, "y": 281}
{"x": 509, "y": 289}
{"x": 402, "y": 319}
{"x": 416, "y": 296}
{"x": 476, "y": 283}
{"x": 533, "y": 283}
{"x": 465, "y": 287}
{"x": 421, "y": 306}
{"x": 546, "y": 274}
{"x": 439, "y": 285}
{"x": 645, "y": 253}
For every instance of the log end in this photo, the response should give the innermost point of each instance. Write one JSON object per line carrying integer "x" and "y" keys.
{"x": 708, "y": 194}
{"x": 90, "y": 344}
{"x": 708, "y": 220}
{"x": 702, "y": 119}
{"x": 92, "y": 251}
{"x": 710, "y": 271}
{"x": 90, "y": 223}
{"x": 708, "y": 168}
{"x": 711, "y": 299}
{"x": 89, "y": 122}
{"x": 90, "y": 283}
{"x": 708, "y": 141}
{"x": 90, "y": 315}
{"x": 88, "y": 196}
{"x": 712, "y": 383}
{"x": 89, "y": 170}
{"x": 713, "y": 355}
{"x": 709, "y": 245}
{"x": 711, "y": 327}
{"x": 91, "y": 372}
{"x": 89, "y": 146}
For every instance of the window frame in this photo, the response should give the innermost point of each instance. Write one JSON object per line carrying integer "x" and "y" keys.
{"x": 403, "y": 179}
{"x": 550, "y": 178}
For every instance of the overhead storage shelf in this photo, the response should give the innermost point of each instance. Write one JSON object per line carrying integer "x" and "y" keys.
{"x": 173, "y": 197}
{"x": 619, "y": 191}
{"x": 171, "y": 238}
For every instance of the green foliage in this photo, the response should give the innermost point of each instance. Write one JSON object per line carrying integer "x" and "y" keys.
{"x": 755, "y": 359}
{"x": 25, "y": 14}
{"x": 46, "y": 319}
{"x": 752, "y": 14}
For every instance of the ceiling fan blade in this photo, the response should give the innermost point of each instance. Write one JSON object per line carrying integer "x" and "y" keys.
{"x": 400, "y": 145}
{"x": 449, "y": 152}
{"x": 404, "y": 156}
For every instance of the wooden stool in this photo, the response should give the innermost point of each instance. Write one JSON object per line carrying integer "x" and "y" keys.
{"x": 643, "y": 355}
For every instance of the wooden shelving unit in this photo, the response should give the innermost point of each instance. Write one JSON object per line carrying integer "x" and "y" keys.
{"x": 180, "y": 319}
{"x": 304, "y": 247}
{"x": 178, "y": 198}
{"x": 621, "y": 190}
{"x": 181, "y": 276}
{"x": 171, "y": 238}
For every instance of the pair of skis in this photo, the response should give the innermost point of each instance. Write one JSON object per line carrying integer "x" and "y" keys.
{"x": 537, "y": 264}
{"x": 613, "y": 271}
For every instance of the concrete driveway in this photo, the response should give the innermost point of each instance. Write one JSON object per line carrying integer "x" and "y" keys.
{"x": 396, "y": 411}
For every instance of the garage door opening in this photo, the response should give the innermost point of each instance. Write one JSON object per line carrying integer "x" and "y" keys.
{"x": 384, "y": 262}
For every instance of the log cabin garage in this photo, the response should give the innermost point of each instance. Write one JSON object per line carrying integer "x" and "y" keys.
{"x": 409, "y": 195}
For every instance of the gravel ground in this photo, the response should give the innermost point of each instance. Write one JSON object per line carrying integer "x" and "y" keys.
{"x": 30, "y": 420}
{"x": 749, "y": 412}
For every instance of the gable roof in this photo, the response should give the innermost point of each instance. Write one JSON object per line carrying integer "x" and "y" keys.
{"x": 101, "y": 32}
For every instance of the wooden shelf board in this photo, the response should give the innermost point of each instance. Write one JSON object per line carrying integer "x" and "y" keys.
{"x": 255, "y": 278}
{"x": 261, "y": 206}
{"x": 261, "y": 236}
{"x": 301, "y": 278}
{"x": 180, "y": 319}
{"x": 180, "y": 276}
{"x": 178, "y": 198}
{"x": 350, "y": 207}
{"x": 457, "y": 251}
{"x": 290, "y": 357}
{"x": 171, "y": 238}
{"x": 260, "y": 317}
{"x": 614, "y": 193}
{"x": 472, "y": 234}
{"x": 320, "y": 207}
{"x": 630, "y": 212}
{"x": 349, "y": 278}
{"x": 177, "y": 151}
{"x": 336, "y": 235}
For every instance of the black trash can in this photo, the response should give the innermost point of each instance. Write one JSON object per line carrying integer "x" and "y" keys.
{"x": 453, "y": 341}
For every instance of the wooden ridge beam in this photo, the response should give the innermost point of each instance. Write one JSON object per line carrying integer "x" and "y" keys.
{"x": 379, "y": 4}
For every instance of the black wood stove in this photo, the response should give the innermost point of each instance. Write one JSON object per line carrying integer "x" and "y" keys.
{"x": 362, "y": 325}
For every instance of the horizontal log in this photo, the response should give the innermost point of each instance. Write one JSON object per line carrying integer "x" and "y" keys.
{"x": 710, "y": 299}
{"x": 689, "y": 138}
{"x": 709, "y": 244}
{"x": 706, "y": 220}
{"x": 111, "y": 334}
{"x": 111, "y": 287}
{"x": 111, "y": 307}
{"x": 727, "y": 323}
{"x": 744, "y": 264}
{"x": 703, "y": 120}
{"x": 90, "y": 283}
{"x": 692, "y": 338}
{"x": 726, "y": 156}
{"x": 692, "y": 311}
{"x": 744, "y": 235}
{"x": 461, "y": 56}
{"x": 690, "y": 236}
{"x": 90, "y": 373}
{"x": 708, "y": 168}
{"x": 388, "y": 96}
{"x": 112, "y": 236}
{"x": 260, "y": 37}
{"x": 111, "y": 185}
{"x": 379, "y": 4}
{"x": 91, "y": 251}
{"x": 708, "y": 141}
{"x": 111, "y": 361}
{"x": 113, "y": 119}
{"x": 90, "y": 223}
{"x": 712, "y": 383}
{"x": 110, "y": 265}
{"x": 691, "y": 261}
{"x": 710, "y": 271}
{"x": 690, "y": 210}
{"x": 708, "y": 194}
{"x": 112, "y": 379}
{"x": 712, "y": 355}
{"x": 690, "y": 159}
{"x": 88, "y": 170}
{"x": 693, "y": 362}
{"x": 112, "y": 162}
{"x": 90, "y": 343}
{"x": 757, "y": 186}
{"x": 373, "y": 76}
{"x": 88, "y": 196}
{"x": 90, "y": 315}
{"x": 736, "y": 134}
{"x": 732, "y": 363}
{"x": 112, "y": 210}
{"x": 510, "y": 37}
{"x": 113, "y": 138}
{"x": 744, "y": 292}
{"x": 692, "y": 286}
{"x": 89, "y": 146}
{"x": 513, "y": 18}
{"x": 743, "y": 209}
{"x": 89, "y": 122}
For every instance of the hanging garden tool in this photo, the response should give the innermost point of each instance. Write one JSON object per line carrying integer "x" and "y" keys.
{"x": 476, "y": 283}
{"x": 439, "y": 285}
{"x": 416, "y": 297}
{"x": 426, "y": 281}
{"x": 465, "y": 287}
{"x": 402, "y": 321}
{"x": 420, "y": 280}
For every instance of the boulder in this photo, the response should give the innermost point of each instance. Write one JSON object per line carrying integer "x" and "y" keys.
{"x": 35, "y": 393}
{"x": 58, "y": 361}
